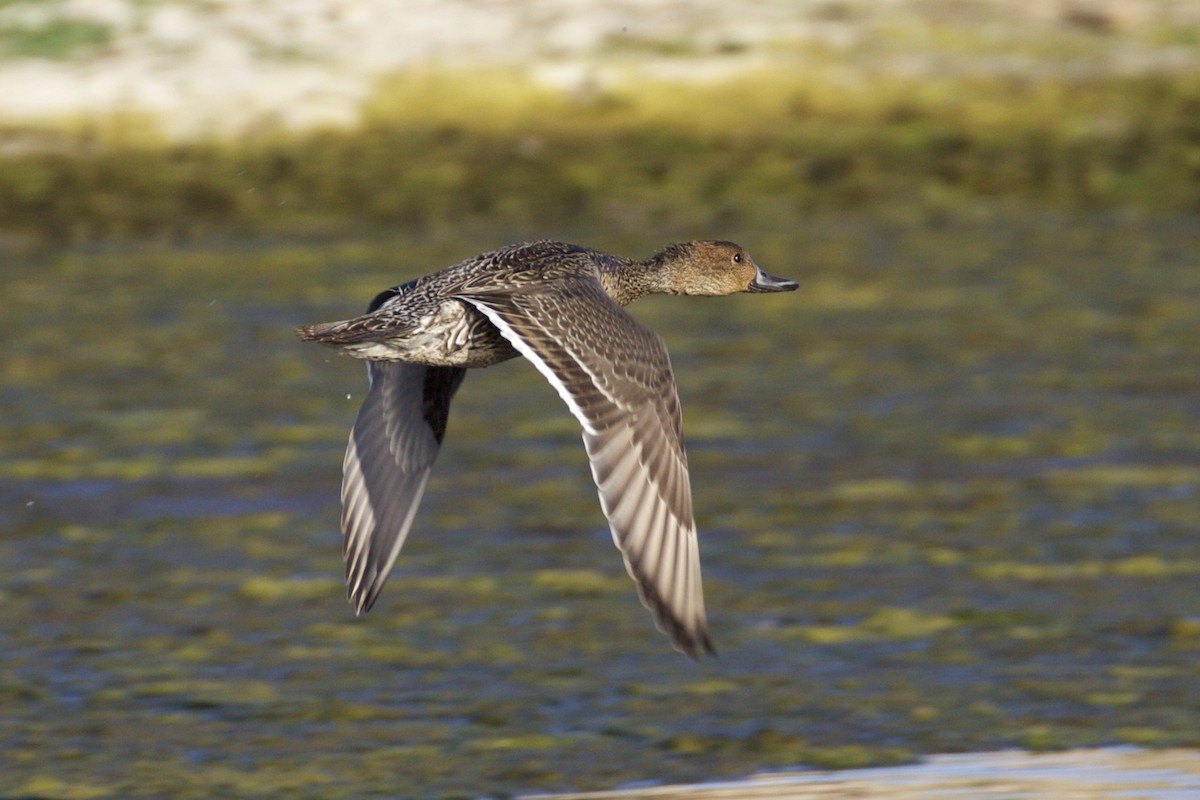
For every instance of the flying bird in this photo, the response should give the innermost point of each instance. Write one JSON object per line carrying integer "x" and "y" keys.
{"x": 560, "y": 306}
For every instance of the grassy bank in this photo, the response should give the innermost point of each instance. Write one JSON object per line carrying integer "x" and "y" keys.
{"x": 443, "y": 149}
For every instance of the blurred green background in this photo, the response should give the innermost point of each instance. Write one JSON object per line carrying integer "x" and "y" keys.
{"x": 947, "y": 491}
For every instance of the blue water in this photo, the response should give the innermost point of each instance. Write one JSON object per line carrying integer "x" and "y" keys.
{"x": 947, "y": 495}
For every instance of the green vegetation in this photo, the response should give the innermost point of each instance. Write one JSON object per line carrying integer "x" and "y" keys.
{"x": 444, "y": 149}
{"x": 56, "y": 39}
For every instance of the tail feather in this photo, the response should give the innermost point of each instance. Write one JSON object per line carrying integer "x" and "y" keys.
{"x": 315, "y": 333}
{"x": 349, "y": 331}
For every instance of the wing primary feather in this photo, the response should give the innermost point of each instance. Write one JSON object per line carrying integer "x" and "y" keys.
{"x": 632, "y": 434}
{"x": 389, "y": 457}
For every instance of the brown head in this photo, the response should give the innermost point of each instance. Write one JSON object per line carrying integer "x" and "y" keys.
{"x": 711, "y": 269}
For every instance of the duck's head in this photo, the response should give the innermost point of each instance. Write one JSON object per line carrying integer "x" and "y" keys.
{"x": 714, "y": 268}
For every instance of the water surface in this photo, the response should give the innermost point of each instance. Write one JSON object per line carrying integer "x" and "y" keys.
{"x": 947, "y": 495}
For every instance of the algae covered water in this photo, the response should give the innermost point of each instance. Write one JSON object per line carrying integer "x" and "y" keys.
{"x": 947, "y": 495}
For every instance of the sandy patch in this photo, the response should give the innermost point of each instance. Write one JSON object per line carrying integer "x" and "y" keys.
{"x": 1100, "y": 774}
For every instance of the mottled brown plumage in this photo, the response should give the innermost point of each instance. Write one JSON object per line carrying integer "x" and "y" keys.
{"x": 559, "y": 305}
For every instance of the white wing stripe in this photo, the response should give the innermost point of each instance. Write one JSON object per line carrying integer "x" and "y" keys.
{"x": 636, "y": 460}
{"x": 532, "y": 355}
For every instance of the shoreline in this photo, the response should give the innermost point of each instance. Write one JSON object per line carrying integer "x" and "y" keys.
{"x": 229, "y": 70}
{"x": 1089, "y": 774}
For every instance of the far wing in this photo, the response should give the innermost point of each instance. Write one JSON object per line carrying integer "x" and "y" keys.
{"x": 615, "y": 376}
{"x": 392, "y": 448}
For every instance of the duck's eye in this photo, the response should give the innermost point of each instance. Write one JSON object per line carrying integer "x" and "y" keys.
{"x": 737, "y": 258}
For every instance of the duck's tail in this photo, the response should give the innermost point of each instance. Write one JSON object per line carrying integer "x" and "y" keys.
{"x": 323, "y": 332}
{"x": 344, "y": 332}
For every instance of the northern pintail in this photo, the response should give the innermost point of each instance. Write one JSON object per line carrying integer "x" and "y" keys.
{"x": 560, "y": 306}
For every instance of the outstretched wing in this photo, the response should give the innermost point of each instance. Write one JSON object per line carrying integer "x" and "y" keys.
{"x": 391, "y": 451}
{"x": 615, "y": 376}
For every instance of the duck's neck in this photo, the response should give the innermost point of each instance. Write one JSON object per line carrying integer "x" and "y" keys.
{"x": 626, "y": 280}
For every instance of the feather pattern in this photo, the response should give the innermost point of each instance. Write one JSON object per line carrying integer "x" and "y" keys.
{"x": 392, "y": 448}
{"x": 560, "y": 306}
{"x": 615, "y": 376}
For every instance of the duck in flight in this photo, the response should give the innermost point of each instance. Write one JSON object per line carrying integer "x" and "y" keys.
{"x": 560, "y": 306}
